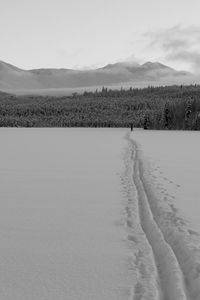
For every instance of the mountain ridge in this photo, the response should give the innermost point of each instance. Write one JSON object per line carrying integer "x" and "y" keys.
{"x": 12, "y": 77}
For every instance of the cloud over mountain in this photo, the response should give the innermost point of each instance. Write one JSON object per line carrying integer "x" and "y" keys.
{"x": 178, "y": 44}
{"x": 119, "y": 74}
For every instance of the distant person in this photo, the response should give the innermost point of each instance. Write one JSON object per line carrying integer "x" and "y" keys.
{"x": 131, "y": 126}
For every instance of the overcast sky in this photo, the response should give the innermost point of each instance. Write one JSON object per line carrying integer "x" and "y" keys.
{"x": 92, "y": 33}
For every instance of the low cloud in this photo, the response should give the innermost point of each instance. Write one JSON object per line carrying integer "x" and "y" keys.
{"x": 191, "y": 57}
{"x": 178, "y": 44}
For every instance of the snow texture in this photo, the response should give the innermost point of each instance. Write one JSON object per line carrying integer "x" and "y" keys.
{"x": 60, "y": 215}
{"x": 98, "y": 214}
{"x": 175, "y": 247}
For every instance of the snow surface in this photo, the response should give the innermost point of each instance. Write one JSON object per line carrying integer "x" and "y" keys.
{"x": 99, "y": 214}
{"x": 60, "y": 214}
{"x": 160, "y": 160}
{"x": 174, "y": 159}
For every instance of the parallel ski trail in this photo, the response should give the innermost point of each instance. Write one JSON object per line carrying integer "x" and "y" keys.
{"x": 147, "y": 285}
{"x": 168, "y": 270}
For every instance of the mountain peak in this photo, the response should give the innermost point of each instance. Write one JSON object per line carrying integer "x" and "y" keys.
{"x": 5, "y": 66}
{"x": 119, "y": 73}
{"x": 123, "y": 64}
{"x": 155, "y": 65}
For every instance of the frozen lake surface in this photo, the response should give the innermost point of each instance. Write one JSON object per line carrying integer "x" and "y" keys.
{"x": 174, "y": 157}
{"x": 166, "y": 171}
{"x": 60, "y": 206}
{"x": 99, "y": 214}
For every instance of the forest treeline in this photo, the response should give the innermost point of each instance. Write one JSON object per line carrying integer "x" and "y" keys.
{"x": 170, "y": 107}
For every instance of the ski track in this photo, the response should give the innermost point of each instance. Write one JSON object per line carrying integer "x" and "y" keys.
{"x": 166, "y": 256}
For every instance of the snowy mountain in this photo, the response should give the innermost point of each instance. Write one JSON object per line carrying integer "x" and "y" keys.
{"x": 120, "y": 73}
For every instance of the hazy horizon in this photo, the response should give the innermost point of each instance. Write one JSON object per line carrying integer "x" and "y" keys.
{"x": 94, "y": 33}
{"x": 88, "y": 68}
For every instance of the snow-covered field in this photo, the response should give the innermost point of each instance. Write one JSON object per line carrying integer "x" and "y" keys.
{"x": 99, "y": 214}
{"x": 166, "y": 173}
{"x": 60, "y": 214}
{"x": 174, "y": 157}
